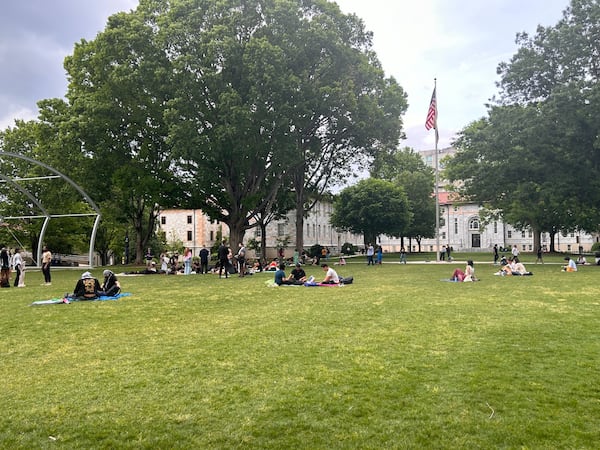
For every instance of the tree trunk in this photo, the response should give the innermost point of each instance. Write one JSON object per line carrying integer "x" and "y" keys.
{"x": 263, "y": 242}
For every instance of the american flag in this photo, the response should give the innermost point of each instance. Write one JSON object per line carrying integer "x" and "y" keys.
{"x": 431, "y": 121}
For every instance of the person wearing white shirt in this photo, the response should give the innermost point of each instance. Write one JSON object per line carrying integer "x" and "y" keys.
{"x": 331, "y": 277}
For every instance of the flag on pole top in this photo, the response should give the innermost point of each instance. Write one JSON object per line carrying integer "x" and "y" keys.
{"x": 431, "y": 121}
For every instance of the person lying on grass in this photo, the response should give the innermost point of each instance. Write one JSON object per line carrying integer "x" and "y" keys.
{"x": 467, "y": 275}
{"x": 331, "y": 276}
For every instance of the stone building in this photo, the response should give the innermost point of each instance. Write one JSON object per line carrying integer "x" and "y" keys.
{"x": 194, "y": 229}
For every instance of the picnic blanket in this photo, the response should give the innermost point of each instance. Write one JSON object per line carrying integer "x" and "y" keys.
{"x": 66, "y": 301}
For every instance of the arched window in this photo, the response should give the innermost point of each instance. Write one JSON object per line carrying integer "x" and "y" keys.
{"x": 474, "y": 223}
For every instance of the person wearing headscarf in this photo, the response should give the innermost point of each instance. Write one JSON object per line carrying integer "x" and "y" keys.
{"x": 111, "y": 285}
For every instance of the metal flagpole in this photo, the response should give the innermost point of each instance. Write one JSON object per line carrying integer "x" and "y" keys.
{"x": 437, "y": 180}
{"x": 431, "y": 122}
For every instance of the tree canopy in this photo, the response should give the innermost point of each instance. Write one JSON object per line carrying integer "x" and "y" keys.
{"x": 535, "y": 159}
{"x": 372, "y": 207}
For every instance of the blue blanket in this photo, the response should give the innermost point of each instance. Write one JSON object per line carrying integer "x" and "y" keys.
{"x": 66, "y": 301}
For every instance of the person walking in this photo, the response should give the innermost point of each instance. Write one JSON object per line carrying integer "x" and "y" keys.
{"x": 496, "y": 254}
{"x": 403, "y": 255}
{"x": 46, "y": 263}
{"x": 515, "y": 251}
{"x": 540, "y": 253}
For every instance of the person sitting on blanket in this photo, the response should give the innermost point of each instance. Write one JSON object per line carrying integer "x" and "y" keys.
{"x": 111, "y": 285}
{"x": 298, "y": 273}
{"x": 87, "y": 288}
{"x": 331, "y": 276}
{"x": 467, "y": 275}
{"x": 281, "y": 279}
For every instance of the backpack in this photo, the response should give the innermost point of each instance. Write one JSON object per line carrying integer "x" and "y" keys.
{"x": 346, "y": 280}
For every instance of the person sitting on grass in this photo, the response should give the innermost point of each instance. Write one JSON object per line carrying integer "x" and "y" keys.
{"x": 331, "y": 276}
{"x": 467, "y": 275}
{"x": 87, "y": 288}
{"x": 111, "y": 285}
{"x": 298, "y": 273}
{"x": 281, "y": 279}
{"x": 571, "y": 266}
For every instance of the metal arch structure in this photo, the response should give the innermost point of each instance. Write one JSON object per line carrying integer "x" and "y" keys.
{"x": 45, "y": 214}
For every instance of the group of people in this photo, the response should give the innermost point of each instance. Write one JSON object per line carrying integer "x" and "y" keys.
{"x": 374, "y": 255}
{"x": 298, "y": 275}
{"x": 89, "y": 288}
{"x": 14, "y": 262}
{"x": 512, "y": 266}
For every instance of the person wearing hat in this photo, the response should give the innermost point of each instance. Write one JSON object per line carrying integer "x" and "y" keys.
{"x": 87, "y": 287}
{"x": 111, "y": 285}
{"x": 298, "y": 273}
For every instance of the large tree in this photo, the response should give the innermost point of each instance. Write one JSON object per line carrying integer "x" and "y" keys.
{"x": 118, "y": 91}
{"x": 372, "y": 207}
{"x": 406, "y": 168}
{"x": 535, "y": 159}
{"x": 346, "y": 110}
{"x": 272, "y": 89}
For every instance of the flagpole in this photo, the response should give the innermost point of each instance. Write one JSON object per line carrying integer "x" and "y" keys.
{"x": 437, "y": 179}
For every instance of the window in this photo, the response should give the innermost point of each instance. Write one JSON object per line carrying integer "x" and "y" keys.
{"x": 189, "y": 219}
{"x": 474, "y": 223}
{"x": 495, "y": 227}
{"x": 212, "y": 236}
{"x": 522, "y": 234}
{"x": 442, "y": 222}
{"x": 280, "y": 229}
{"x": 509, "y": 234}
{"x": 258, "y": 233}
{"x": 443, "y": 235}
{"x": 455, "y": 226}
{"x": 163, "y": 220}
{"x": 189, "y": 235}
{"x": 530, "y": 233}
{"x": 319, "y": 235}
{"x": 307, "y": 230}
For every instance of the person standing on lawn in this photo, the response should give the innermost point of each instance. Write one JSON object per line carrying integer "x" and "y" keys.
{"x": 223, "y": 253}
{"x": 204, "y": 253}
{"x": 370, "y": 253}
{"x": 46, "y": 263}
{"x": 19, "y": 266}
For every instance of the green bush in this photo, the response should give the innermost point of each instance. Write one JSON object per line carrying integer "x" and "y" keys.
{"x": 348, "y": 249}
{"x": 315, "y": 250}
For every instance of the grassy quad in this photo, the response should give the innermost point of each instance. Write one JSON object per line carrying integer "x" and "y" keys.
{"x": 399, "y": 359}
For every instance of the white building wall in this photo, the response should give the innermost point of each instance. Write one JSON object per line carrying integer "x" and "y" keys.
{"x": 317, "y": 230}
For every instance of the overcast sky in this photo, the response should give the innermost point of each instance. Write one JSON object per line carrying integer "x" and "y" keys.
{"x": 459, "y": 42}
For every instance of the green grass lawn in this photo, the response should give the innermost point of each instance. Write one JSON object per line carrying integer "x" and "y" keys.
{"x": 399, "y": 359}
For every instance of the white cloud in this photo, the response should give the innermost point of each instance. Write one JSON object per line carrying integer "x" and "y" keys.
{"x": 459, "y": 42}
